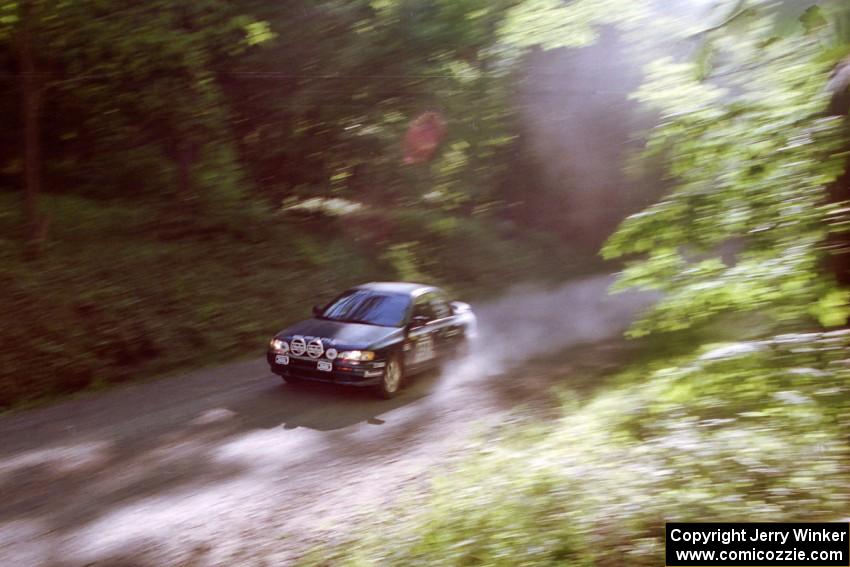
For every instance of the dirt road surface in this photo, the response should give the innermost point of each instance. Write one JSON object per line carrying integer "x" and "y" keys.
{"x": 230, "y": 466}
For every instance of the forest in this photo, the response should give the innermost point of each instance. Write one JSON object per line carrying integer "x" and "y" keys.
{"x": 180, "y": 179}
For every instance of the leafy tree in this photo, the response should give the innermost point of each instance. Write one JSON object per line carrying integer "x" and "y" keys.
{"x": 152, "y": 69}
{"x": 138, "y": 88}
{"x": 319, "y": 115}
{"x": 751, "y": 155}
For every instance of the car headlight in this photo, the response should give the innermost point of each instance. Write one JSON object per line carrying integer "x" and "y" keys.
{"x": 363, "y": 355}
{"x": 278, "y": 345}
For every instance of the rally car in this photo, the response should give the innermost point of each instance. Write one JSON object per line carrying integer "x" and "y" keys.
{"x": 374, "y": 335}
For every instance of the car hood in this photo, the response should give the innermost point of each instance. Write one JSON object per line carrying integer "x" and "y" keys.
{"x": 343, "y": 335}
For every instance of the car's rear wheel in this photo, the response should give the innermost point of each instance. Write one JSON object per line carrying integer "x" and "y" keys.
{"x": 392, "y": 380}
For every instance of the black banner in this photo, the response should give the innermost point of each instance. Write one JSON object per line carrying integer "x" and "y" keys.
{"x": 759, "y": 544}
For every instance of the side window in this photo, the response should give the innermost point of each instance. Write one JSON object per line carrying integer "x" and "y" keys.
{"x": 439, "y": 306}
{"x": 422, "y": 307}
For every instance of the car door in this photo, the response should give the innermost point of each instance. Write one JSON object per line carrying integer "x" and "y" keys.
{"x": 421, "y": 339}
{"x": 446, "y": 332}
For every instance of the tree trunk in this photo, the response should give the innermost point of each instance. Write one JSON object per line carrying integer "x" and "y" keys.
{"x": 32, "y": 91}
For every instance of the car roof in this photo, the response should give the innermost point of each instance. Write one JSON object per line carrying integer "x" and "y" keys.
{"x": 413, "y": 289}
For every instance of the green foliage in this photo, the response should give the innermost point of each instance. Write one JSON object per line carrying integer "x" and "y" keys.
{"x": 549, "y": 22}
{"x": 334, "y": 113}
{"x": 222, "y": 103}
{"x": 745, "y": 432}
{"x": 750, "y": 154}
{"x": 403, "y": 260}
{"x": 110, "y": 302}
{"x": 552, "y": 24}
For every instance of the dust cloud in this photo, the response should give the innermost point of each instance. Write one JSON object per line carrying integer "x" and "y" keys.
{"x": 529, "y": 322}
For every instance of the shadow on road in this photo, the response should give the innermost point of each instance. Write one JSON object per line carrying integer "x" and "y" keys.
{"x": 323, "y": 407}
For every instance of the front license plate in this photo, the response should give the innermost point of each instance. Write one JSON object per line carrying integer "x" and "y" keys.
{"x": 325, "y": 365}
{"x": 281, "y": 359}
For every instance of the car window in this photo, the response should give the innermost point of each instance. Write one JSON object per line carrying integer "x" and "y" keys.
{"x": 440, "y": 306}
{"x": 368, "y": 306}
{"x": 422, "y": 307}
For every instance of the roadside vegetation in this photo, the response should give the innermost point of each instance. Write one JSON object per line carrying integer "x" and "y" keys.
{"x": 749, "y": 431}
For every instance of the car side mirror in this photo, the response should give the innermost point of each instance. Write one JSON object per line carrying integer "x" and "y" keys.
{"x": 317, "y": 310}
{"x": 418, "y": 321}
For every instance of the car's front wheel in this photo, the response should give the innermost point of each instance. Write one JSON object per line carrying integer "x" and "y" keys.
{"x": 392, "y": 380}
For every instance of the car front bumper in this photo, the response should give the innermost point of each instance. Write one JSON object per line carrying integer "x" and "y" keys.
{"x": 345, "y": 372}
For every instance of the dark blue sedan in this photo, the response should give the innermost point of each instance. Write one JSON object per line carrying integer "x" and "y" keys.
{"x": 374, "y": 335}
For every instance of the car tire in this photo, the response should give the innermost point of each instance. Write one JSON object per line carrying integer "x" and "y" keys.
{"x": 292, "y": 380}
{"x": 392, "y": 380}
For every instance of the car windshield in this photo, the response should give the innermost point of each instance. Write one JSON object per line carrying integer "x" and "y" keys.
{"x": 369, "y": 307}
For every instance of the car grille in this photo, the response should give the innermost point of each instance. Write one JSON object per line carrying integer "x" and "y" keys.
{"x": 306, "y": 368}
